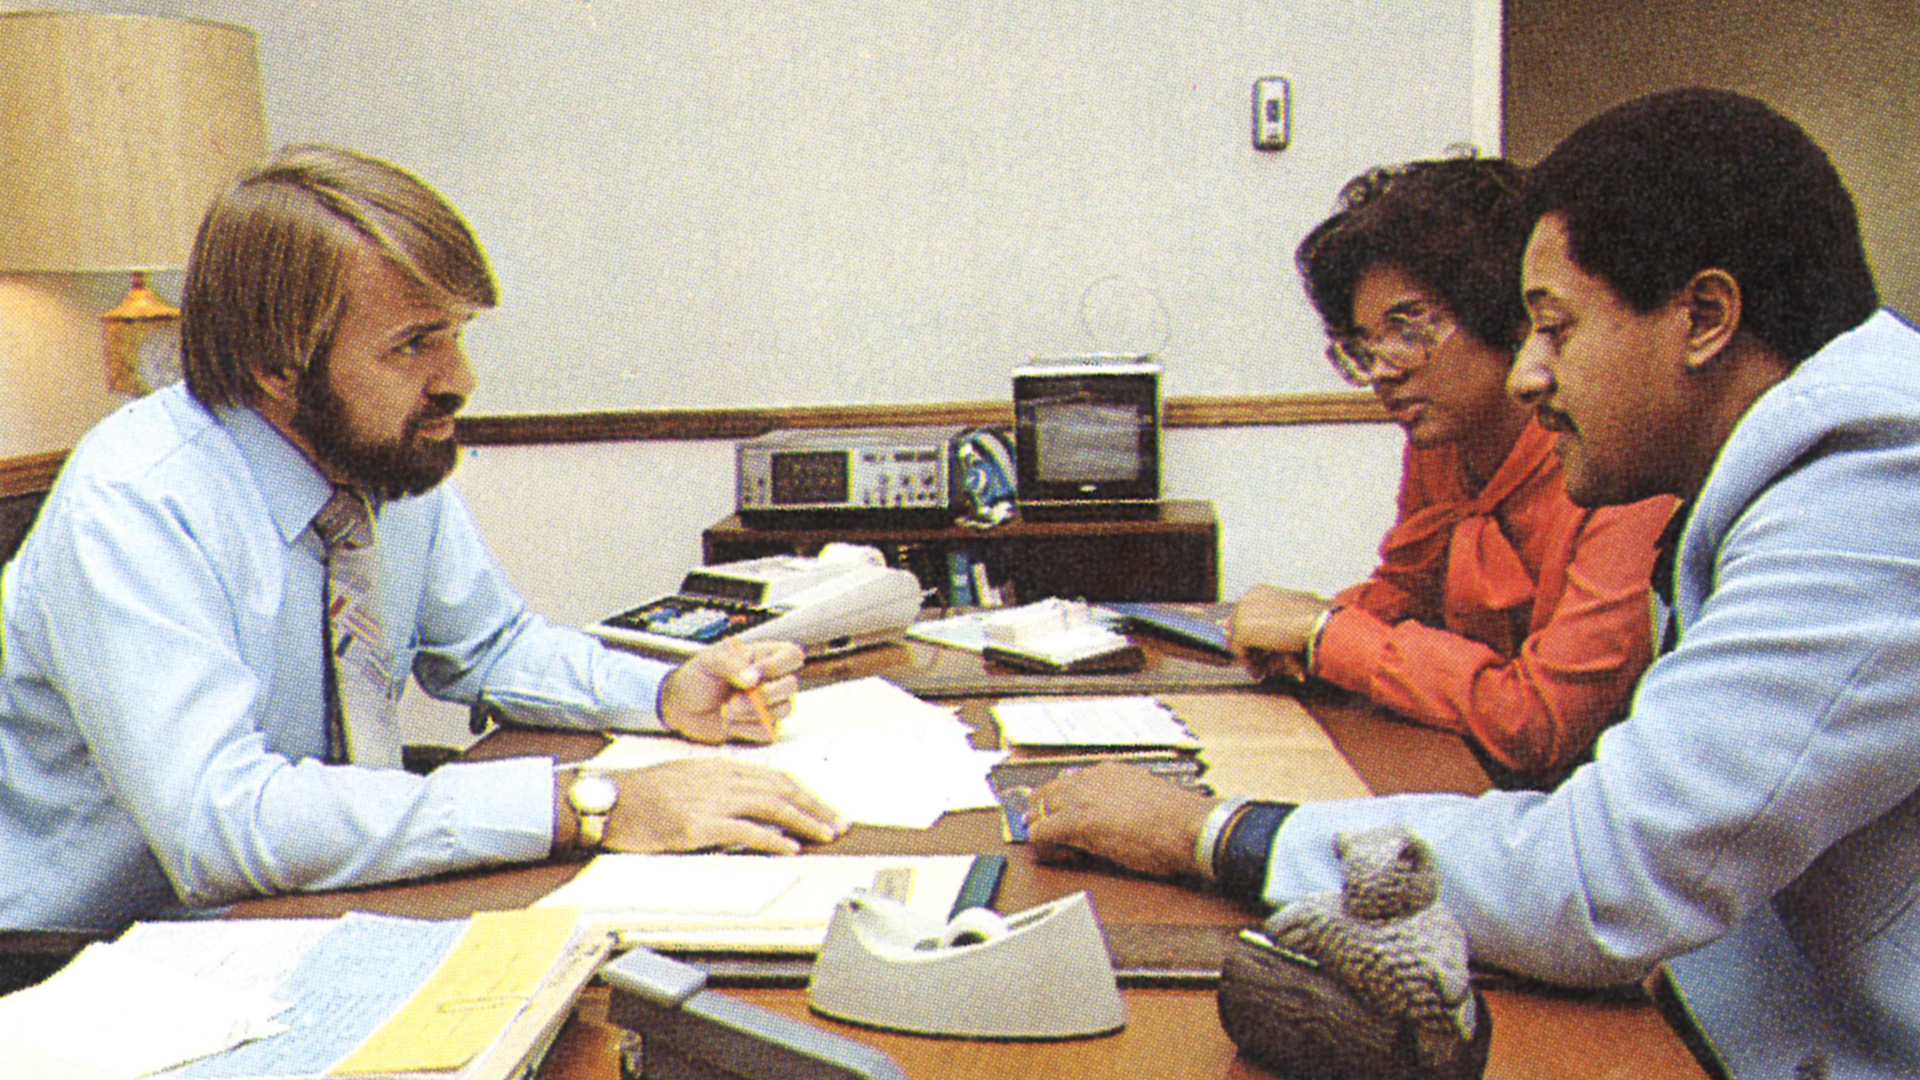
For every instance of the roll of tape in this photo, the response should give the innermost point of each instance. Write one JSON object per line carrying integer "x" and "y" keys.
{"x": 974, "y": 926}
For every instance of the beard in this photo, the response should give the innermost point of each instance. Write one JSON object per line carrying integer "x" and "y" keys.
{"x": 384, "y": 470}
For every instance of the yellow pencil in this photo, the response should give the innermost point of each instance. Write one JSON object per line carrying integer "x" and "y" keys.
{"x": 759, "y": 702}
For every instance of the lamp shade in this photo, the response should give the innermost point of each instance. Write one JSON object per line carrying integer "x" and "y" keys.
{"x": 116, "y": 132}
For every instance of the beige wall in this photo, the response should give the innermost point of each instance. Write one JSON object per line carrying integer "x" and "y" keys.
{"x": 797, "y": 203}
{"x": 1847, "y": 71}
{"x": 53, "y": 373}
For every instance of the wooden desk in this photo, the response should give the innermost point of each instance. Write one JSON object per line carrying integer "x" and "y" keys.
{"x": 1170, "y": 1032}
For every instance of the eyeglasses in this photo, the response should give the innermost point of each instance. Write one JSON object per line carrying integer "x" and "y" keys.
{"x": 1406, "y": 344}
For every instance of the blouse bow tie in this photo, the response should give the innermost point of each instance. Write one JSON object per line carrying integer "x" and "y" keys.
{"x": 1484, "y": 573}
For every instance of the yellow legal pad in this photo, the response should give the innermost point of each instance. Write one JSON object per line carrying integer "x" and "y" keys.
{"x": 496, "y": 967}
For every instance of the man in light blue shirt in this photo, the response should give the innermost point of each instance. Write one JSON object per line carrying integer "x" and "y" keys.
{"x": 167, "y": 697}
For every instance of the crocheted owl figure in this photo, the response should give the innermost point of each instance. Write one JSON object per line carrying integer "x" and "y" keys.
{"x": 1385, "y": 940}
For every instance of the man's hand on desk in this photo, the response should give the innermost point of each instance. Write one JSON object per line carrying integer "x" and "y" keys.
{"x": 702, "y": 803}
{"x": 1120, "y": 813}
{"x": 709, "y": 698}
{"x": 730, "y": 692}
{"x": 1271, "y": 628}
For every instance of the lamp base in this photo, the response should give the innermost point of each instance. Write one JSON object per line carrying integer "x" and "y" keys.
{"x": 141, "y": 338}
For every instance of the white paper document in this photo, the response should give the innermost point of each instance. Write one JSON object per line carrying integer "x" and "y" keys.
{"x": 157, "y": 1015}
{"x": 872, "y": 751}
{"x": 966, "y": 632}
{"x": 341, "y": 989}
{"x": 249, "y": 955}
{"x": 805, "y": 889}
{"x": 301, "y": 999}
{"x": 1138, "y": 721}
{"x": 669, "y": 886}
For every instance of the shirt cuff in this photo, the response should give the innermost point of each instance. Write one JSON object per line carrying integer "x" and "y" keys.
{"x": 1349, "y": 649}
{"x": 503, "y": 811}
{"x": 1240, "y": 857}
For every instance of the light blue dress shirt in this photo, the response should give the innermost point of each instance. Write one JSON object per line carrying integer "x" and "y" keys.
{"x": 161, "y": 705}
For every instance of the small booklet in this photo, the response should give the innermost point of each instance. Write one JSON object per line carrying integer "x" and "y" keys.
{"x": 1171, "y": 623}
{"x": 1057, "y": 636}
{"x": 1072, "y": 658}
{"x": 1122, "y": 722}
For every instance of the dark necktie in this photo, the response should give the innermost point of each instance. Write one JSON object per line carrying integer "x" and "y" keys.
{"x": 1666, "y": 550}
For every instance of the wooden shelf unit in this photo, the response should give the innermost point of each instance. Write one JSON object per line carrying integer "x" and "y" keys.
{"x": 1173, "y": 556}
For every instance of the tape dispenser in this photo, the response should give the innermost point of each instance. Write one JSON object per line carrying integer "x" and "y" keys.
{"x": 1041, "y": 974}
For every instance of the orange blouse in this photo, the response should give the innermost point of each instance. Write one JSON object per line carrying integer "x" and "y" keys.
{"x": 1509, "y": 615}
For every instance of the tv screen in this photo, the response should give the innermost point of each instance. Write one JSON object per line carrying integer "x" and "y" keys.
{"x": 1080, "y": 442}
{"x": 1087, "y": 438}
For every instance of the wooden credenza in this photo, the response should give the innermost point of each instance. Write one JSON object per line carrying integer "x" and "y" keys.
{"x": 1172, "y": 556}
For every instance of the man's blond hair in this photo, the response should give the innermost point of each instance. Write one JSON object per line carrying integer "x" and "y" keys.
{"x": 267, "y": 283}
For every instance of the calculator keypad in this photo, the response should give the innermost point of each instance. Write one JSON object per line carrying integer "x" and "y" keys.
{"x": 700, "y": 619}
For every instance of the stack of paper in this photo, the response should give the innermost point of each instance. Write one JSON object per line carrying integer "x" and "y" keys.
{"x": 974, "y": 630}
{"x": 364, "y": 995}
{"x": 159, "y": 1012}
{"x": 747, "y": 903}
{"x": 877, "y": 754}
{"x": 1137, "y": 721}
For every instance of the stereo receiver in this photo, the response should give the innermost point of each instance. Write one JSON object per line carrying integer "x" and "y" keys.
{"x": 847, "y": 476}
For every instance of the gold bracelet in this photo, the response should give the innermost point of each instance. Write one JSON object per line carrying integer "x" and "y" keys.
{"x": 1205, "y": 846}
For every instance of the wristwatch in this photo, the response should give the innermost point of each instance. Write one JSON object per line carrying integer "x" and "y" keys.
{"x": 592, "y": 796}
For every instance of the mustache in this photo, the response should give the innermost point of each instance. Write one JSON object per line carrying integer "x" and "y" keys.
{"x": 1553, "y": 419}
{"x": 442, "y": 405}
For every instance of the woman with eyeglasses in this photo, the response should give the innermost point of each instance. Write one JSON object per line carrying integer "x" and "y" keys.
{"x": 1500, "y": 610}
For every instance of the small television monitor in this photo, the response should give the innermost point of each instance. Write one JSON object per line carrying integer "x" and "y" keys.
{"x": 1087, "y": 438}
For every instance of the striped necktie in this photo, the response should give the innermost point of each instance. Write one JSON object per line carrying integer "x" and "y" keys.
{"x": 362, "y": 723}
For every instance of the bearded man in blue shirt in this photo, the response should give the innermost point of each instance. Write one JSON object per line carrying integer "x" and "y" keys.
{"x": 1703, "y": 325}
{"x": 173, "y": 732}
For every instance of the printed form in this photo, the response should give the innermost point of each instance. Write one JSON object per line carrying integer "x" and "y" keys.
{"x": 1138, "y": 721}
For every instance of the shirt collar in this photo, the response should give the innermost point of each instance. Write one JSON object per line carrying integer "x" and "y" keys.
{"x": 290, "y": 484}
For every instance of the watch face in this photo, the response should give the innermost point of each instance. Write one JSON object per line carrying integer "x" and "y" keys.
{"x": 593, "y": 794}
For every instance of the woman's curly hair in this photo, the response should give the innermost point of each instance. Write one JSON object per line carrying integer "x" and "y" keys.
{"x": 1453, "y": 224}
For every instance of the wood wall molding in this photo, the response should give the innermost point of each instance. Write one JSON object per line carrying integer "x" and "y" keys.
{"x": 30, "y": 472}
{"x": 682, "y": 425}
{"x": 1275, "y": 410}
{"x": 35, "y": 472}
